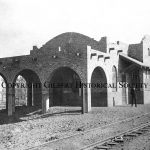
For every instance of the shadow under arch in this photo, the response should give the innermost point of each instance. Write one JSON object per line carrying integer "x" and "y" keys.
{"x": 99, "y": 88}
{"x": 33, "y": 85}
{"x": 64, "y": 87}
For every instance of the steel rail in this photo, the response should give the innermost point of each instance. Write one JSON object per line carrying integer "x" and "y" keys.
{"x": 87, "y": 131}
{"x": 101, "y": 142}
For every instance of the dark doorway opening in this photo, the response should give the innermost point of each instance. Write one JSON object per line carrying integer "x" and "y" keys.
{"x": 66, "y": 90}
{"x": 98, "y": 93}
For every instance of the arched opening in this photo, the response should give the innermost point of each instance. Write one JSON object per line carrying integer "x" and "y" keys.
{"x": 65, "y": 88}
{"x": 3, "y": 102}
{"x": 21, "y": 92}
{"x": 27, "y": 89}
{"x": 114, "y": 79}
{"x": 148, "y": 51}
{"x": 98, "y": 88}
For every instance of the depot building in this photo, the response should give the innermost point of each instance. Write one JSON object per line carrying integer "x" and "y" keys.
{"x": 75, "y": 58}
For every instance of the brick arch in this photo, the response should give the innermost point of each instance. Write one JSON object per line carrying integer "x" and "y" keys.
{"x": 74, "y": 67}
{"x": 99, "y": 95}
{"x": 34, "y": 88}
{"x": 26, "y": 72}
{"x": 66, "y": 96}
{"x": 4, "y": 77}
{"x": 18, "y": 71}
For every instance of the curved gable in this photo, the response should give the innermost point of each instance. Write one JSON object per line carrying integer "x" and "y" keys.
{"x": 71, "y": 41}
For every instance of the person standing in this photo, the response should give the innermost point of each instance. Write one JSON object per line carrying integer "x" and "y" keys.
{"x": 133, "y": 96}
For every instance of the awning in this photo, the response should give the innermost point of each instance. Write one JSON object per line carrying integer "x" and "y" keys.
{"x": 134, "y": 61}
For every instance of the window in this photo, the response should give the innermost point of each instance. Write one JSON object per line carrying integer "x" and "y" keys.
{"x": 148, "y": 51}
{"x": 114, "y": 79}
{"x": 148, "y": 74}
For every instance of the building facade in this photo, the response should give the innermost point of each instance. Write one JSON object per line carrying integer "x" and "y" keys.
{"x": 75, "y": 70}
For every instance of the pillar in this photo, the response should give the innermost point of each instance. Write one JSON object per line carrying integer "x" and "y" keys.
{"x": 37, "y": 95}
{"x": 32, "y": 94}
{"x": 127, "y": 89}
{"x": 45, "y": 100}
{"x": 13, "y": 100}
{"x": 85, "y": 100}
{"x": 6, "y": 99}
{"x": 50, "y": 97}
{"x": 29, "y": 96}
{"x": 124, "y": 90}
{"x": 10, "y": 95}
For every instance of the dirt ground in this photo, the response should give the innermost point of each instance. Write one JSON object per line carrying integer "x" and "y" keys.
{"x": 28, "y": 127}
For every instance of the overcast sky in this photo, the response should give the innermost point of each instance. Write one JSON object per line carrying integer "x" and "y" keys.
{"x": 24, "y": 23}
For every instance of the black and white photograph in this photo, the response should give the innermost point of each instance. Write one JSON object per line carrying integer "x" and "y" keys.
{"x": 74, "y": 75}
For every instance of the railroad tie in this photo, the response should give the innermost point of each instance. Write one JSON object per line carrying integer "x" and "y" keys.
{"x": 101, "y": 147}
{"x": 137, "y": 132}
{"x": 142, "y": 130}
{"x": 130, "y": 134}
{"x": 112, "y": 143}
{"x": 148, "y": 127}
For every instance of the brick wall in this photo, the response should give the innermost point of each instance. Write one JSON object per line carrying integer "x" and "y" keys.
{"x": 136, "y": 51}
{"x": 74, "y": 50}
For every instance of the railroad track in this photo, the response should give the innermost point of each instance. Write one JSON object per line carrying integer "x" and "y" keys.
{"x": 107, "y": 142}
{"x": 117, "y": 139}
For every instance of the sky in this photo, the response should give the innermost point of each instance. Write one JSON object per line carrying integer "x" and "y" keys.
{"x": 24, "y": 23}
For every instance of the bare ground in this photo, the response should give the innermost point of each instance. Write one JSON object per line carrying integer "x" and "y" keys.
{"x": 29, "y": 127}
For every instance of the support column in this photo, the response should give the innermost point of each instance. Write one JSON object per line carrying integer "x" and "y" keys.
{"x": 85, "y": 108}
{"x": 32, "y": 94}
{"x": 13, "y": 100}
{"x": 10, "y": 96}
{"x": 36, "y": 95}
{"x": 127, "y": 89}
{"x": 6, "y": 98}
{"x": 124, "y": 90}
{"x": 50, "y": 97}
{"x": 45, "y": 101}
{"x": 29, "y": 96}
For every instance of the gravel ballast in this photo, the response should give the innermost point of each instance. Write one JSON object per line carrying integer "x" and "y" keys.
{"x": 27, "y": 130}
